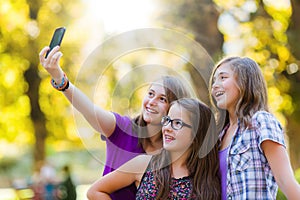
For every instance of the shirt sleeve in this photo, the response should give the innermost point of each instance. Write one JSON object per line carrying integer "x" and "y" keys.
{"x": 123, "y": 128}
{"x": 268, "y": 128}
{"x": 123, "y": 123}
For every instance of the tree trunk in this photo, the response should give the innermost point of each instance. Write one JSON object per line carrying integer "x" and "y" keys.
{"x": 37, "y": 116}
{"x": 199, "y": 17}
{"x": 33, "y": 80}
{"x": 293, "y": 120}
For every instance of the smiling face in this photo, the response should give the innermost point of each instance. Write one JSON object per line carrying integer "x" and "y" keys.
{"x": 177, "y": 140}
{"x": 225, "y": 89}
{"x": 155, "y": 104}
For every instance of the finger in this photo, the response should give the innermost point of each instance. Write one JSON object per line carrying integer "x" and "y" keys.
{"x": 53, "y": 51}
{"x": 55, "y": 58}
{"x": 43, "y": 52}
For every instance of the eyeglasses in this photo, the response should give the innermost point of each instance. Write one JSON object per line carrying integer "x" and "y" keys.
{"x": 176, "y": 124}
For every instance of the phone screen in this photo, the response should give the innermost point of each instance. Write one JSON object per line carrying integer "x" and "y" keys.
{"x": 56, "y": 39}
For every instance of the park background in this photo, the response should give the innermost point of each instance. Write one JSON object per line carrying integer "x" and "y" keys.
{"x": 37, "y": 123}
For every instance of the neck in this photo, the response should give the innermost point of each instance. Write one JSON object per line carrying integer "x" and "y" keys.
{"x": 179, "y": 167}
{"x": 233, "y": 119}
{"x": 153, "y": 130}
{"x": 153, "y": 143}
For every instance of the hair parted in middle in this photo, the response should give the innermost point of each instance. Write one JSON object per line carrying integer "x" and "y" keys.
{"x": 175, "y": 89}
{"x": 252, "y": 88}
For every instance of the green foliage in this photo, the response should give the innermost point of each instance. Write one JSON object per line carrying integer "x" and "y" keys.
{"x": 14, "y": 104}
{"x": 197, "y": 18}
{"x": 22, "y": 36}
{"x": 261, "y": 28}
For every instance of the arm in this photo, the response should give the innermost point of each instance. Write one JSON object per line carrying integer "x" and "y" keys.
{"x": 101, "y": 120}
{"x": 280, "y": 165}
{"x": 130, "y": 172}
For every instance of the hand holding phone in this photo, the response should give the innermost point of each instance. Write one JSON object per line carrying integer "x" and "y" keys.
{"x": 56, "y": 38}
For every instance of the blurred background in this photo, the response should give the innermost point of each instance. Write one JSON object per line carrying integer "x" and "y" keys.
{"x": 40, "y": 133}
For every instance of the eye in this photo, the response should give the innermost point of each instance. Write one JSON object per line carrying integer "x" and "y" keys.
{"x": 163, "y": 99}
{"x": 151, "y": 94}
{"x": 165, "y": 120}
{"x": 224, "y": 76}
{"x": 177, "y": 123}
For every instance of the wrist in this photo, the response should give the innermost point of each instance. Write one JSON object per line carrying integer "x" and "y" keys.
{"x": 62, "y": 85}
{"x": 58, "y": 76}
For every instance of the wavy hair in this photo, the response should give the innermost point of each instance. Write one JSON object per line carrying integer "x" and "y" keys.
{"x": 174, "y": 89}
{"x": 204, "y": 170}
{"x": 252, "y": 86}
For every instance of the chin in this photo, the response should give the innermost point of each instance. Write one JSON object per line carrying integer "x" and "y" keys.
{"x": 221, "y": 105}
{"x": 146, "y": 117}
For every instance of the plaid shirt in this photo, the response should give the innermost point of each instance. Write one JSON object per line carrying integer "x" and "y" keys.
{"x": 249, "y": 175}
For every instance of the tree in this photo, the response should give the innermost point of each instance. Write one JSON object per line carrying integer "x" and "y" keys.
{"x": 49, "y": 125}
{"x": 267, "y": 31}
{"x": 261, "y": 29}
{"x": 294, "y": 78}
{"x": 25, "y": 27}
{"x": 198, "y": 18}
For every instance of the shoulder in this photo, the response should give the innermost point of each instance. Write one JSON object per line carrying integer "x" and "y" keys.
{"x": 265, "y": 119}
{"x": 121, "y": 119}
{"x": 123, "y": 127}
{"x": 268, "y": 127}
{"x": 262, "y": 114}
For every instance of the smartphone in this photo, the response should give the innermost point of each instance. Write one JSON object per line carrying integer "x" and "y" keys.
{"x": 56, "y": 38}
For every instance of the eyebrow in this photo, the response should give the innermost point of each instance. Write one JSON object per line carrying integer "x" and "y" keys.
{"x": 156, "y": 92}
{"x": 219, "y": 74}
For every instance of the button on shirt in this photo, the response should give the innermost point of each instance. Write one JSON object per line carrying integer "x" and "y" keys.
{"x": 249, "y": 175}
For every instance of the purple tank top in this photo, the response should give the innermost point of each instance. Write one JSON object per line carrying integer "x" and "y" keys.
{"x": 223, "y": 171}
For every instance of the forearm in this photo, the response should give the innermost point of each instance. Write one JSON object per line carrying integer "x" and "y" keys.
{"x": 84, "y": 105}
{"x": 101, "y": 120}
{"x": 93, "y": 195}
{"x": 291, "y": 190}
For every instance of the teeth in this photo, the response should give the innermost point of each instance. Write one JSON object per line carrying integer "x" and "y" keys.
{"x": 219, "y": 94}
{"x": 168, "y": 137}
{"x": 150, "y": 110}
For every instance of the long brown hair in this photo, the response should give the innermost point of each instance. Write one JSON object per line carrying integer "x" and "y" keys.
{"x": 174, "y": 89}
{"x": 204, "y": 170}
{"x": 252, "y": 86}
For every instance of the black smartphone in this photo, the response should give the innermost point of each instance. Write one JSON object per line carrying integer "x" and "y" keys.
{"x": 56, "y": 38}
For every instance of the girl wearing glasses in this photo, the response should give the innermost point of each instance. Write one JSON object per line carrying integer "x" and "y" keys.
{"x": 186, "y": 168}
{"x": 253, "y": 156}
{"x": 125, "y": 137}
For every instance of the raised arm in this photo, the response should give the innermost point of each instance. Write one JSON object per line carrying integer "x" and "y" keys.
{"x": 279, "y": 162}
{"x": 101, "y": 120}
{"x": 130, "y": 172}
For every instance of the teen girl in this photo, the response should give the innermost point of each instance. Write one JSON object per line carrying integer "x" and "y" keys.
{"x": 253, "y": 157}
{"x": 177, "y": 172}
{"x": 125, "y": 137}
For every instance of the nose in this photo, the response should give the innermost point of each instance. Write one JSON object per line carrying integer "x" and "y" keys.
{"x": 215, "y": 84}
{"x": 168, "y": 127}
{"x": 153, "y": 101}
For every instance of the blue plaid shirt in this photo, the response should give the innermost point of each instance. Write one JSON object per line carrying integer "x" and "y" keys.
{"x": 249, "y": 175}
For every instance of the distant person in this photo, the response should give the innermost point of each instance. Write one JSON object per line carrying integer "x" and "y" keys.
{"x": 67, "y": 189}
{"x": 178, "y": 172}
{"x": 49, "y": 180}
{"x": 36, "y": 184}
{"x": 253, "y": 155}
{"x": 125, "y": 137}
